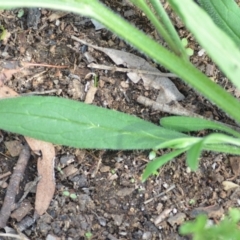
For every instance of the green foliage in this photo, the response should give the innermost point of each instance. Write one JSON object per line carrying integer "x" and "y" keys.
{"x": 88, "y": 235}
{"x": 71, "y": 123}
{"x": 20, "y": 13}
{"x": 225, "y": 14}
{"x": 211, "y": 38}
{"x": 66, "y": 193}
{"x": 189, "y": 51}
{"x": 76, "y": 124}
{"x": 187, "y": 124}
{"x": 227, "y": 229}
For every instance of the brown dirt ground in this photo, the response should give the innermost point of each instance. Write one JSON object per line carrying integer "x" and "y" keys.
{"x": 112, "y": 202}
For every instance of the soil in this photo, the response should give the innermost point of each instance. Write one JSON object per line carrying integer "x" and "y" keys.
{"x": 111, "y": 200}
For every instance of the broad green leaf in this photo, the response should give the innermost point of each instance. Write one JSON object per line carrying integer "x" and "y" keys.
{"x": 154, "y": 165}
{"x": 76, "y": 124}
{"x": 186, "y": 124}
{"x": 193, "y": 154}
{"x": 221, "y": 48}
{"x": 225, "y": 13}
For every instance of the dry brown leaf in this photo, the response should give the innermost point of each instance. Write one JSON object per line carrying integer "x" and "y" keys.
{"x": 235, "y": 165}
{"x": 228, "y": 185}
{"x": 56, "y": 15}
{"x": 45, "y": 165}
{"x": 162, "y": 216}
{"x": 173, "y": 108}
{"x": 6, "y": 92}
{"x": 213, "y": 211}
{"x": 46, "y": 185}
{"x": 24, "y": 209}
{"x": 167, "y": 89}
{"x": 14, "y": 147}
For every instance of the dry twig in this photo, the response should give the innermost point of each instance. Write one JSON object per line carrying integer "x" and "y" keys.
{"x": 175, "y": 108}
{"x": 12, "y": 190}
{"x": 138, "y": 71}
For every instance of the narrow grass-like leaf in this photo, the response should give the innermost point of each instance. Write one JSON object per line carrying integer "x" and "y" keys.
{"x": 168, "y": 26}
{"x": 187, "y": 124}
{"x": 193, "y": 155}
{"x": 178, "y": 143}
{"x": 154, "y": 165}
{"x": 222, "y": 143}
{"x": 225, "y": 13}
{"x": 162, "y": 26}
{"x": 219, "y": 138}
{"x": 221, "y": 48}
{"x": 223, "y": 148}
{"x": 76, "y": 124}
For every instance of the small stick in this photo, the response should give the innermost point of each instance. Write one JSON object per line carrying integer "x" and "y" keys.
{"x": 175, "y": 108}
{"x": 13, "y": 186}
{"x": 160, "y": 194}
{"x": 39, "y": 93}
{"x": 35, "y": 76}
{"x": 5, "y": 174}
{"x": 138, "y": 71}
{"x": 15, "y": 236}
{"x": 27, "y": 64}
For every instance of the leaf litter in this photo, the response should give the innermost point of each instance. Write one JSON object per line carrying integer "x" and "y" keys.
{"x": 205, "y": 193}
{"x": 167, "y": 90}
{"x": 9, "y": 68}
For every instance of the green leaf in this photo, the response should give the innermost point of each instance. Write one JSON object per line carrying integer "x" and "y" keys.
{"x": 184, "y": 42}
{"x": 193, "y": 155}
{"x": 226, "y": 229}
{"x": 221, "y": 48}
{"x": 189, "y": 52}
{"x": 234, "y": 215}
{"x": 225, "y": 13}
{"x": 76, "y": 124}
{"x": 219, "y": 138}
{"x": 20, "y": 13}
{"x": 163, "y": 25}
{"x": 146, "y": 45}
{"x": 223, "y": 148}
{"x": 185, "y": 142}
{"x": 194, "y": 227}
{"x": 186, "y": 124}
{"x": 222, "y": 143}
{"x": 154, "y": 165}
